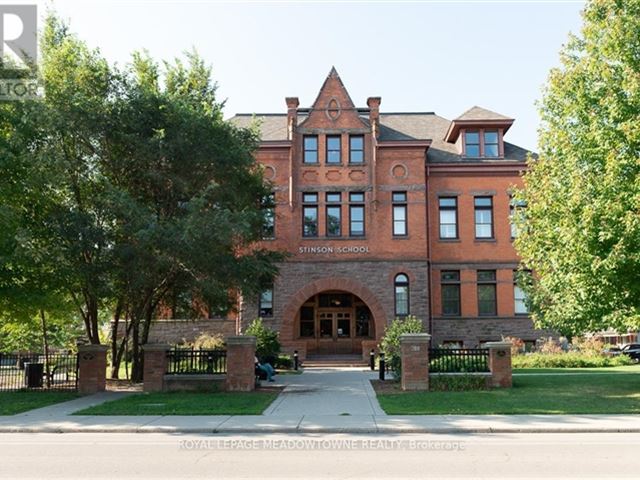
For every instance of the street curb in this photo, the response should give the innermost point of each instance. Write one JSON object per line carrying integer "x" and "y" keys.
{"x": 399, "y": 430}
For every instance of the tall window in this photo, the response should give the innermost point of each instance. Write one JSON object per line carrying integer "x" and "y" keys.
{"x": 356, "y": 149}
{"x": 399, "y": 214}
{"x": 448, "y": 217}
{"x": 450, "y": 286}
{"x": 484, "y": 217}
{"x": 491, "y": 143}
{"x": 356, "y": 214}
{"x": 472, "y": 144}
{"x": 310, "y": 149}
{"x": 401, "y": 286}
{"x": 334, "y": 215}
{"x": 519, "y": 296}
{"x": 307, "y": 321}
{"x": 269, "y": 209}
{"x": 333, "y": 149}
{"x": 265, "y": 307}
{"x": 516, "y": 208}
{"x": 487, "y": 302}
{"x": 310, "y": 214}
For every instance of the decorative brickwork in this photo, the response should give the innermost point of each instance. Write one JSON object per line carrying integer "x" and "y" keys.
{"x": 500, "y": 364}
{"x": 155, "y": 366}
{"x": 92, "y": 366}
{"x": 414, "y": 351}
{"x": 241, "y": 352}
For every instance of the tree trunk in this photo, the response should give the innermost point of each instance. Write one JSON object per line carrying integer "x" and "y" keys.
{"x": 45, "y": 342}
{"x": 115, "y": 362}
{"x": 136, "y": 357}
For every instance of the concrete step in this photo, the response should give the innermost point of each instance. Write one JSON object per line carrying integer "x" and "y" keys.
{"x": 323, "y": 361}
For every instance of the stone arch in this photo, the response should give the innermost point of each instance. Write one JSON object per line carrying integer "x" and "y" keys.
{"x": 287, "y": 330}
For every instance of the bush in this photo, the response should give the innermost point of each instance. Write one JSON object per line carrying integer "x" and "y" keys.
{"x": 268, "y": 345}
{"x": 548, "y": 346}
{"x": 206, "y": 341}
{"x": 458, "y": 365}
{"x": 283, "y": 362}
{"x": 457, "y": 383}
{"x": 568, "y": 360}
{"x": 589, "y": 346}
{"x": 517, "y": 345}
{"x": 390, "y": 343}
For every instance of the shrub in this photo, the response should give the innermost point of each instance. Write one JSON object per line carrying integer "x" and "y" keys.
{"x": 459, "y": 365}
{"x": 517, "y": 345}
{"x": 267, "y": 343}
{"x": 457, "y": 383}
{"x": 548, "y": 346}
{"x": 568, "y": 360}
{"x": 283, "y": 362}
{"x": 589, "y": 346}
{"x": 390, "y": 343}
{"x": 206, "y": 341}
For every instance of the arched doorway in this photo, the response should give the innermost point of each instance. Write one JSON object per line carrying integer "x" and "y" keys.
{"x": 334, "y": 322}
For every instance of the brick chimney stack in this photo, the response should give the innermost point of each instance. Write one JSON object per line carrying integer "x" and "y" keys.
{"x": 292, "y": 115}
{"x": 374, "y": 113}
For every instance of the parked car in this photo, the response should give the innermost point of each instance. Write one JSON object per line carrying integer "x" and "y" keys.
{"x": 612, "y": 351}
{"x": 632, "y": 350}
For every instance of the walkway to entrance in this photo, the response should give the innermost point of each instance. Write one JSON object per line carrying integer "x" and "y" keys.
{"x": 327, "y": 391}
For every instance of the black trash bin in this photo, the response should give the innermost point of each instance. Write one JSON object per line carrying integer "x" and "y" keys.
{"x": 33, "y": 373}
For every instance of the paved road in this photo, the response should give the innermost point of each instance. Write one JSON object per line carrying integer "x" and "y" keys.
{"x": 167, "y": 456}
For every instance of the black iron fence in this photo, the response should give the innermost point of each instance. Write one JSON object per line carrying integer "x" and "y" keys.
{"x": 194, "y": 362}
{"x": 36, "y": 371}
{"x": 458, "y": 360}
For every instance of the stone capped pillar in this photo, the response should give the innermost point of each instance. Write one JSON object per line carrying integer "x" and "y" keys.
{"x": 414, "y": 351}
{"x": 92, "y": 368}
{"x": 500, "y": 364}
{"x": 241, "y": 353}
{"x": 155, "y": 366}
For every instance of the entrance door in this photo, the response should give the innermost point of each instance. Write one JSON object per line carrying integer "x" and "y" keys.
{"x": 334, "y": 335}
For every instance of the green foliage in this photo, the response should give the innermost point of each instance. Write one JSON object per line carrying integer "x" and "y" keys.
{"x": 462, "y": 365}
{"x": 284, "y": 362}
{"x": 390, "y": 343}
{"x": 568, "y": 360}
{"x": 580, "y": 232}
{"x": 267, "y": 343}
{"x": 457, "y": 383}
{"x": 206, "y": 341}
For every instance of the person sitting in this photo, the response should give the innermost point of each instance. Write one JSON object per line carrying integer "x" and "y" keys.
{"x": 268, "y": 370}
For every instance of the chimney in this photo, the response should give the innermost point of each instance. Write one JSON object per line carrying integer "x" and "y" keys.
{"x": 374, "y": 113}
{"x": 292, "y": 115}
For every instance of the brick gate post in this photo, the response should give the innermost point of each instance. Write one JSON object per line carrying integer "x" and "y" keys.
{"x": 241, "y": 353}
{"x": 155, "y": 367}
{"x": 414, "y": 351}
{"x": 500, "y": 364}
{"x": 92, "y": 368}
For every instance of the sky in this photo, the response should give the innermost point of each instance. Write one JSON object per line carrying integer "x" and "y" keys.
{"x": 418, "y": 56}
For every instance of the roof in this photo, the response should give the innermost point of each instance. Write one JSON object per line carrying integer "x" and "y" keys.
{"x": 479, "y": 113}
{"x": 393, "y": 127}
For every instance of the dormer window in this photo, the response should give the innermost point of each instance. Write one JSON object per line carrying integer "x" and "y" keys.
{"x": 472, "y": 144}
{"x": 491, "y": 143}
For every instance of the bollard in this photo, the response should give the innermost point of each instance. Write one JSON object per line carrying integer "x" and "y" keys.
{"x": 295, "y": 359}
{"x": 372, "y": 360}
{"x": 382, "y": 366}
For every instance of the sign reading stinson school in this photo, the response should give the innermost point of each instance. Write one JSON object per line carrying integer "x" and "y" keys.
{"x": 334, "y": 250}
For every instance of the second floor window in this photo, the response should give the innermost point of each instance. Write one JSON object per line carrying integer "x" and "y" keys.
{"x": 356, "y": 149}
{"x": 450, "y": 286}
{"x": 333, "y": 149}
{"x": 399, "y": 214}
{"x": 334, "y": 215}
{"x": 265, "y": 307}
{"x": 472, "y": 144}
{"x": 309, "y": 214}
{"x": 448, "y": 217}
{"x": 356, "y": 214}
{"x": 487, "y": 302}
{"x": 491, "y": 143}
{"x": 269, "y": 209}
{"x": 310, "y": 149}
{"x": 484, "y": 217}
{"x": 519, "y": 295}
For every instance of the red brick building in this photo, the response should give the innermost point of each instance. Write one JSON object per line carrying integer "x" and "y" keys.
{"x": 388, "y": 214}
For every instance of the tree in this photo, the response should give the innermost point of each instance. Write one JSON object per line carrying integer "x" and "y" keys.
{"x": 580, "y": 232}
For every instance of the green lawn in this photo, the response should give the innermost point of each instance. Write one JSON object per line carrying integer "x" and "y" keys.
{"x": 18, "y": 402}
{"x": 615, "y": 392}
{"x": 186, "y": 403}
{"x": 604, "y": 370}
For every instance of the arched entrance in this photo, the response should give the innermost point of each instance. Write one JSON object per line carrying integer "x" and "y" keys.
{"x": 333, "y": 316}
